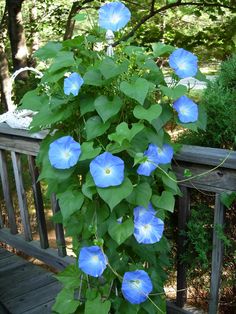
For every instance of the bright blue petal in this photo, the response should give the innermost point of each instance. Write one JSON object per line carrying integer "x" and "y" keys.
{"x": 151, "y": 163}
{"x": 113, "y": 16}
{"x": 136, "y": 286}
{"x": 107, "y": 170}
{"x": 148, "y": 229}
{"x": 92, "y": 261}
{"x": 165, "y": 154}
{"x": 64, "y": 152}
{"x": 139, "y": 211}
{"x": 72, "y": 84}
{"x": 184, "y": 63}
{"x": 187, "y": 109}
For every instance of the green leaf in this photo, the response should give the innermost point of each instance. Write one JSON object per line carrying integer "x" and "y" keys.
{"x": 121, "y": 232}
{"x": 33, "y": 101}
{"x": 110, "y": 69}
{"x": 175, "y": 92}
{"x": 171, "y": 185}
{"x": 86, "y": 104}
{"x": 107, "y": 108}
{"x": 115, "y": 194}
{"x": 201, "y": 77}
{"x": 93, "y": 77}
{"x": 139, "y": 158}
{"x": 147, "y": 114}
{"x": 95, "y": 127}
{"x": 165, "y": 201}
{"x": 64, "y": 59}
{"x": 80, "y": 17}
{"x": 88, "y": 151}
{"x": 70, "y": 202}
{"x": 187, "y": 173}
{"x": 88, "y": 188}
{"x": 160, "y": 49}
{"x": 227, "y": 198}
{"x": 141, "y": 195}
{"x": 65, "y": 303}
{"x": 138, "y": 90}
{"x": 166, "y": 115}
{"x": 123, "y": 132}
{"x": 50, "y": 50}
{"x": 97, "y": 306}
{"x": 128, "y": 308}
{"x": 70, "y": 277}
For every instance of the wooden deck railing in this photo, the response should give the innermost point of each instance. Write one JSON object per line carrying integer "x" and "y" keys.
{"x": 196, "y": 159}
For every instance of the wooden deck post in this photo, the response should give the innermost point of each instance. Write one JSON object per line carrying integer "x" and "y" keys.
{"x": 38, "y": 201}
{"x": 183, "y": 215}
{"x": 7, "y": 192}
{"x": 217, "y": 256}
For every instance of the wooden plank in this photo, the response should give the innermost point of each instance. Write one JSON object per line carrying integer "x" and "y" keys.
{"x": 42, "y": 309}
{"x": 3, "y": 309}
{"x": 5, "y": 254}
{"x": 38, "y": 201}
{"x": 207, "y": 156}
{"x": 48, "y": 256}
{"x": 183, "y": 216}
{"x": 19, "y": 145}
{"x": 172, "y": 308}
{"x": 61, "y": 243}
{"x": 217, "y": 180}
{"x": 7, "y": 192}
{"x": 5, "y": 129}
{"x": 21, "y": 195}
{"x": 35, "y": 298}
{"x": 10, "y": 263}
{"x": 217, "y": 257}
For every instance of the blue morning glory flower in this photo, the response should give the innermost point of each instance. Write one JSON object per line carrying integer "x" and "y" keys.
{"x": 107, "y": 170}
{"x": 187, "y": 109}
{"x": 136, "y": 286}
{"x": 92, "y": 261}
{"x": 139, "y": 211}
{"x": 113, "y": 16}
{"x": 150, "y": 164}
{"x": 184, "y": 63}
{"x": 64, "y": 152}
{"x": 148, "y": 229}
{"x": 72, "y": 84}
{"x": 165, "y": 154}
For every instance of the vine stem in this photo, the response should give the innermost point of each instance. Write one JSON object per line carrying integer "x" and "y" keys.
{"x": 197, "y": 175}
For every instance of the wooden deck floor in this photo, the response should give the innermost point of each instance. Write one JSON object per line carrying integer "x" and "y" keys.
{"x": 24, "y": 287}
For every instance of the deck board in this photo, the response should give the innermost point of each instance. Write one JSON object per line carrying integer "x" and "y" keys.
{"x": 25, "y": 288}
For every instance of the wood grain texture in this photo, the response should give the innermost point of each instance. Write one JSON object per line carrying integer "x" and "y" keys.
{"x": 24, "y": 214}
{"x": 48, "y": 256}
{"x": 217, "y": 256}
{"x": 7, "y": 192}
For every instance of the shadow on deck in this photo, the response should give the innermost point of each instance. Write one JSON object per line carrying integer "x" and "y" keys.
{"x": 25, "y": 287}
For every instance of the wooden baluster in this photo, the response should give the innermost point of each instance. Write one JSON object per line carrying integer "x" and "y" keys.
{"x": 7, "y": 192}
{"x": 16, "y": 162}
{"x": 38, "y": 202}
{"x": 183, "y": 215}
{"x": 217, "y": 257}
{"x": 61, "y": 243}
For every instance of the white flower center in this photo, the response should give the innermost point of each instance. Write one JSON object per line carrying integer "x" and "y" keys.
{"x": 107, "y": 171}
{"x": 66, "y": 154}
{"x": 115, "y": 18}
{"x": 184, "y": 111}
{"x": 95, "y": 259}
{"x": 146, "y": 229}
{"x": 137, "y": 284}
{"x": 182, "y": 65}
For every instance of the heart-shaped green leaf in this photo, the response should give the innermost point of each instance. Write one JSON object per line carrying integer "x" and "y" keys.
{"x": 88, "y": 151}
{"x": 141, "y": 195}
{"x": 137, "y": 90}
{"x": 110, "y": 69}
{"x": 165, "y": 201}
{"x": 147, "y": 114}
{"x": 123, "y": 132}
{"x": 106, "y": 108}
{"x": 70, "y": 202}
{"x": 121, "y": 232}
{"x": 175, "y": 92}
{"x": 95, "y": 127}
{"x": 115, "y": 194}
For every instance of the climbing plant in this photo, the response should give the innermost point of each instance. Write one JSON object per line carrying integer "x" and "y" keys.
{"x": 107, "y": 157}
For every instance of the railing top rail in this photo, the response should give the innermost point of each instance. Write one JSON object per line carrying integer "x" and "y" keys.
{"x": 188, "y": 153}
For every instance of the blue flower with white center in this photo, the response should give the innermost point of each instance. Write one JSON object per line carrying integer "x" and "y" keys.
{"x": 72, "y": 84}
{"x": 184, "y": 63}
{"x": 92, "y": 261}
{"x": 165, "y": 154}
{"x": 187, "y": 109}
{"x": 151, "y": 163}
{"x": 113, "y": 16}
{"x": 136, "y": 286}
{"x": 139, "y": 211}
{"x": 107, "y": 170}
{"x": 148, "y": 229}
{"x": 64, "y": 152}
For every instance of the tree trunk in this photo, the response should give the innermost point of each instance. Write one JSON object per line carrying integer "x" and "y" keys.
{"x": 5, "y": 83}
{"x": 17, "y": 36}
{"x": 34, "y": 45}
